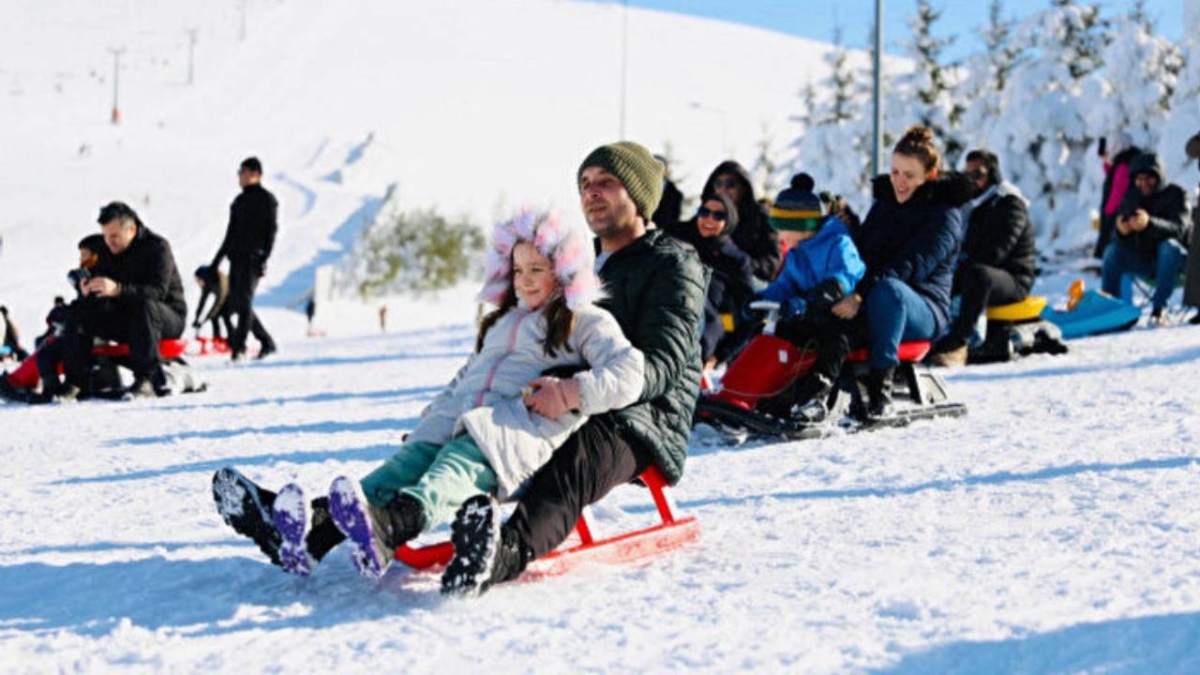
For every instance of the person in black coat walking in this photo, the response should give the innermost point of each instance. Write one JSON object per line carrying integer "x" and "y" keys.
{"x": 909, "y": 241}
{"x": 999, "y": 255}
{"x": 1151, "y": 229}
{"x": 754, "y": 234}
{"x": 134, "y": 295}
{"x": 248, "y": 243}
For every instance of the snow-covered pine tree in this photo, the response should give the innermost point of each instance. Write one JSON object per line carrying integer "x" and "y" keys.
{"x": 1050, "y": 122}
{"x": 1184, "y": 119}
{"x": 1143, "y": 69}
{"x": 988, "y": 74}
{"x": 931, "y": 89}
{"x": 831, "y": 147}
{"x": 764, "y": 171}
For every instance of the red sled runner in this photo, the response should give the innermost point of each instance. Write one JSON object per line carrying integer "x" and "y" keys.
{"x": 584, "y": 546}
{"x": 769, "y": 364}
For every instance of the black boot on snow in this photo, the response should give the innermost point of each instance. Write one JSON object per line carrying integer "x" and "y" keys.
{"x": 246, "y": 508}
{"x": 484, "y": 553}
{"x": 879, "y": 392}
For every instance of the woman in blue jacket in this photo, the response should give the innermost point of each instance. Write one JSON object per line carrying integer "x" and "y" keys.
{"x": 909, "y": 241}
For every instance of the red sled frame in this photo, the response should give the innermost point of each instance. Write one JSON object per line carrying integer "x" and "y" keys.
{"x": 584, "y": 547}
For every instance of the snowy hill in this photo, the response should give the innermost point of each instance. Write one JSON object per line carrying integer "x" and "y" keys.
{"x": 466, "y": 106}
{"x": 1053, "y": 529}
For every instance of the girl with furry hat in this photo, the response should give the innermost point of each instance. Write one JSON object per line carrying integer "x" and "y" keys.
{"x": 487, "y": 431}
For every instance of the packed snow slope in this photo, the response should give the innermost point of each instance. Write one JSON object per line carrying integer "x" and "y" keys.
{"x": 471, "y": 107}
{"x": 1053, "y": 529}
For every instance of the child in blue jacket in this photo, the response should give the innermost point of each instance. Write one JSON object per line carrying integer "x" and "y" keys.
{"x": 821, "y": 267}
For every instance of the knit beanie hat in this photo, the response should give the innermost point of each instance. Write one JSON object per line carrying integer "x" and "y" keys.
{"x": 635, "y": 167}
{"x": 568, "y": 249}
{"x": 796, "y": 209}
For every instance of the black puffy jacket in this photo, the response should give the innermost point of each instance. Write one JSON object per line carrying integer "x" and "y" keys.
{"x": 754, "y": 234}
{"x": 1168, "y": 208}
{"x": 253, "y": 223}
{"x": 999, "y": 234}
{"x": 655, "y": 291}
{"x": 916, "y": 242}
{"x": 145, "y": 269}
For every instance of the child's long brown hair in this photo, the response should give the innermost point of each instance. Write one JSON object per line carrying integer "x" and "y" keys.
{"x": 560, "y": 320}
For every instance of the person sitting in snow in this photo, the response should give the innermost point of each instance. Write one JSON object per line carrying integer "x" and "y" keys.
{"x": 998, "y": 260}
{"x": 732, "y": 284}
{"x": 213, "y": 283}
{"x": 754, "y": 234}
{"x": 134, "y": 295}
{"x": 656, "y": 293}
{"x": 822, "y": 265}
{"x": 1152, "y": 227}
{"x": 909, "y": 241}
{"x": 487, "y": 431}
{"x": 1116, "y": 153}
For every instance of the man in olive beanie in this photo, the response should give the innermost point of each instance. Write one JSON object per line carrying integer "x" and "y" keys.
{"x": 635, "y": 167}
{"x": 656, "y": 290}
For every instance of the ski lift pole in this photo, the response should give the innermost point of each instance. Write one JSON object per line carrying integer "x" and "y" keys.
{"x": 877, "y": 93}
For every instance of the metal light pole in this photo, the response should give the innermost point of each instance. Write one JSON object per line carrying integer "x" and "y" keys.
{"x": 624, "y": 60}
{"x": 116, "y": 106}
{"x": 877, "y": 91}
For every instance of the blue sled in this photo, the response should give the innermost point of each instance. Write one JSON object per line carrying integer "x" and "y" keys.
{"x": 1096, "y": 313}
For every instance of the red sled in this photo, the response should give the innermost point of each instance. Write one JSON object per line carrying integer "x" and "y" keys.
{"x": 212, "y": 345}
{"x": 769, "y": 364}
{"x": 26, "y": 375}
{"x": 584, "y": 546}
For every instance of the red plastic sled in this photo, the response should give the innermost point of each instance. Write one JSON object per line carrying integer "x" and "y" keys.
{"x": 583, "y": 546}
{"x": 26, "y": 375}
{"x": 211, "y": 345}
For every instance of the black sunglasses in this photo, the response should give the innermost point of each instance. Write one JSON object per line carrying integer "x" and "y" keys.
{"x": 705, "y": 212}
{"x": 725, "y": 183}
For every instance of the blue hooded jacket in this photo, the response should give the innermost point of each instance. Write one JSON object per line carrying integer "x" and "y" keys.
{"x": 830, "y": 254}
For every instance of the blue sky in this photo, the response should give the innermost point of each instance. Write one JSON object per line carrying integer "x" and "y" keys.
{"x": 816, "y": 20}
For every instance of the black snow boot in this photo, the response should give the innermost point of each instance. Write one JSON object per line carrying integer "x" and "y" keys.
{"x": 246, "y": 507}
{"x": 879, "y": 392}
{"x": 403, "y": 519}
{"x": 484, "y": 553}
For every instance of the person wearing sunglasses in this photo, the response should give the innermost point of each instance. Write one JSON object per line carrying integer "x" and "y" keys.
{"x": 753, "y": 234}
{"x": 998, "y": 261}
{"x": 731, "y": 286}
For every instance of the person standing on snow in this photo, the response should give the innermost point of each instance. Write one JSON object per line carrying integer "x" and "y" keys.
{"x": 248, "y": 241}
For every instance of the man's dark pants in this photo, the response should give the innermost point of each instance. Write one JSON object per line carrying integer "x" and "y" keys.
{"x": 135, "y": 321}
{"x": 593, "y": 461}
{"x": 243, "y": 281}
{"x": 980, "y": 287}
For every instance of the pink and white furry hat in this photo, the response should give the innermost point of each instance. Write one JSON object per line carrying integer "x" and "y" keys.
{"x": 567, "y": 248}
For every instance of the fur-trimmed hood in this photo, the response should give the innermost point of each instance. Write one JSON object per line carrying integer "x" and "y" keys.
{"x": 565, "y": 246}
{"x": 948, "y": 189}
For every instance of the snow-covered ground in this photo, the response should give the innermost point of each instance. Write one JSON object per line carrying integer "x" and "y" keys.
{"x": 1054, "y": 529}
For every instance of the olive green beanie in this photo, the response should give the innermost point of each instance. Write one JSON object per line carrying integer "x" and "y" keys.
{"x": 635, "y": 167}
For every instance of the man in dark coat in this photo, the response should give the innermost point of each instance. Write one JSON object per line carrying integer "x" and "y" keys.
{"x": 656, "y": 289}
{"x": 134, "y": 296}
{"x": 248, "y": 243}
{"x": 754, "y": 234}
{"x": 1152, "y": 227}
{"x": 998, "y": 260}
